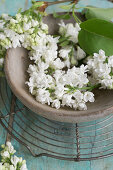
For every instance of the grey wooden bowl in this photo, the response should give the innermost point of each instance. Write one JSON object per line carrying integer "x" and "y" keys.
{"x": 16, "y": 65}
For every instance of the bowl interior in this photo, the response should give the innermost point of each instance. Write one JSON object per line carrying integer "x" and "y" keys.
{"x": 16, "y": 65}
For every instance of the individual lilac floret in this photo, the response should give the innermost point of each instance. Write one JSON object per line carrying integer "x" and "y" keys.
{"x": 9, "y": 161}
{"x": 101, "y": 69}
{"x": 70, "y": 30}
{"x": 53, "y": 78}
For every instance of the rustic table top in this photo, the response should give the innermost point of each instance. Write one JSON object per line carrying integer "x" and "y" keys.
{"x": 44, "y": 163}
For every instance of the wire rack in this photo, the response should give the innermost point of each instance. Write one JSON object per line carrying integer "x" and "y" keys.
{"x": 43, "y": 137}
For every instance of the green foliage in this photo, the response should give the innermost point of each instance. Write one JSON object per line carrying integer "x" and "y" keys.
{"x": 72, "y": 57}
{"x": 101, "y": 13}
{"x": 50, "y": 70}
{"x": 19, "y": 10}
{"x": 65, "y": 16}
{"x": 50, "y": 90}
{"x": 71, "y": 8}
{"x": 72, "y": 89}
{"x": 67, "y": 7}
{"x": 2, "y": 74}
{"x": 96, "y": 34}
{"x": 31, "y": 11}
{"x": 37, "y": 5}
{"x": 64, "y": 41}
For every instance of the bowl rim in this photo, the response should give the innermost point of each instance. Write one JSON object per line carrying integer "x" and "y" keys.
{"x": 61, "y": 115}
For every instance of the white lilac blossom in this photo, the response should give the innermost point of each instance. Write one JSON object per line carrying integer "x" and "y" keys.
{"x": 80, "y": 53}
{"x": 69, "y": 30}
{"x": 71, "y": 53}
{"x": 53, "y": 78}
{"x": 60, "y": 88}
{"x": 9, "y": 161}
{"x": 101, "y": 69}
{"x": 6, "y": 17}
{"x": 21, "y": 30}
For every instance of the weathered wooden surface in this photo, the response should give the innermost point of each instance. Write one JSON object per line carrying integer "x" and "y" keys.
{"x": 11, "y": 6}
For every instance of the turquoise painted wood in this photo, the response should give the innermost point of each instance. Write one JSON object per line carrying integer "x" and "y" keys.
{"x": 11, "y": 7}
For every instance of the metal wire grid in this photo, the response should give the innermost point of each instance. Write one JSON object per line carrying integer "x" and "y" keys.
{"x": 43, "y": 137}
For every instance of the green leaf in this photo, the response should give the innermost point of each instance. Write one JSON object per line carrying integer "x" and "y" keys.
{"x": 63, "y": 44}
{"x": 65, "y": 16}
{"x": 96, "y": 34}
{"x": 67, "y": 7}
{"x": 111, "y": 73}
{"x": 33, "y": 1}
{"x": 50, "y": 90}
{"x": 1, "y": 30}
{"x": 73, "y": 89}
{"x": 75, "y": 16}
{"x": 50, "y": 70}
{"x": 2, "y": 74}
{"x": 101, "y": 13}
{"x": 20, "y": 10}
{"x": 62, "y": 39}
{"x": 7, "y": 22}
{"x": 55, "y": 36}
{"x": 37, "y": 4}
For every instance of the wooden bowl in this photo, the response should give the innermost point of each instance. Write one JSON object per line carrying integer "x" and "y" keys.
{"x": 16, "y": 65}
